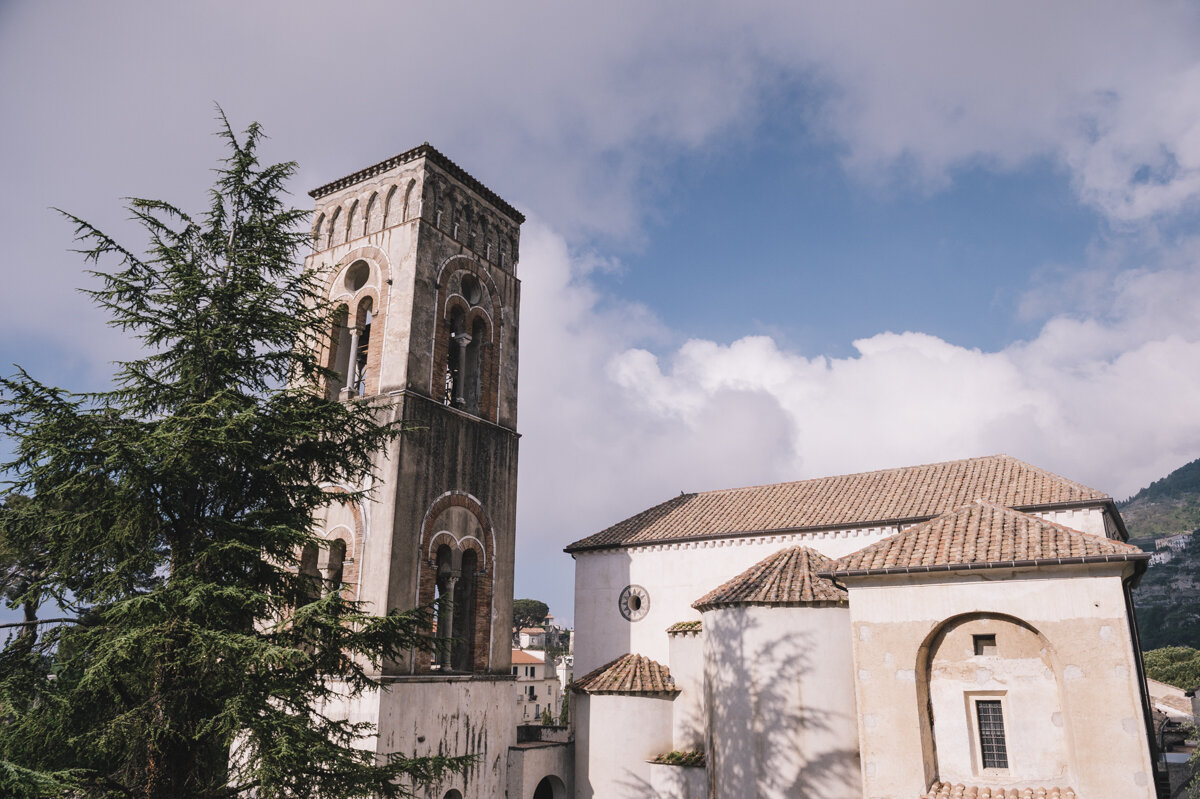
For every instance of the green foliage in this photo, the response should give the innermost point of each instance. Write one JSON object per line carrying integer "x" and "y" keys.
{"x": 529, "y": 613}
{"x": 547, "y": 717}
{"x": 564, "y": 712}
{"x": 1175, "y": 665}
{"x": 694, "y": 757}
{"x": 167, "y": 515}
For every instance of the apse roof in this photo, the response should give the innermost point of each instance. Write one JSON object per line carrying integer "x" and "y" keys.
{"x": 628, "y": 674}
{"x": 982, "y": 535}
{"x": 889, "y": 496}
{"x": 788, "y": 577}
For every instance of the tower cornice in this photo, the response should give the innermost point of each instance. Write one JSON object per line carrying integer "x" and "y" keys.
{"x": 432, "y": 154}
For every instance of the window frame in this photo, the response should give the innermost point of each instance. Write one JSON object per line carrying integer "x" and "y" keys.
{"x": 976, "y": 731}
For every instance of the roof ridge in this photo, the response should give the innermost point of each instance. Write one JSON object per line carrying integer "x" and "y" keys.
{"x": 866, "y": 472}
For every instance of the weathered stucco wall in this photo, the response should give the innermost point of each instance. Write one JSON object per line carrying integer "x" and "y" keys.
{"x": 530, "y": 764}
{"x": 780, "y": 702}
{"x": 614, "y": 737}
{"x": 446, "y": 716}
{"x": 1079, "y": 612}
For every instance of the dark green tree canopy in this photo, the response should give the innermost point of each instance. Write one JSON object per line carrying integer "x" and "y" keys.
{"x": 167, "y": 515}
{"x": 529, "y": 612}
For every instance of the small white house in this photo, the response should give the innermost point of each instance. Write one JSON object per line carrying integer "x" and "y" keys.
{"x": 537, "y": 686}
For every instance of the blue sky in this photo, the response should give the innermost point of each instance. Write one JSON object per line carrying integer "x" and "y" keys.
{"x": 765, "y": 241}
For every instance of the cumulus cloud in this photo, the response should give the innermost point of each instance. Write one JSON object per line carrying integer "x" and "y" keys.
{"x": 614, "y": 421}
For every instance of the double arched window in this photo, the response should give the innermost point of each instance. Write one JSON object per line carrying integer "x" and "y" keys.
{"x": 467, "y": 370}
{"x": 350, "y": 344}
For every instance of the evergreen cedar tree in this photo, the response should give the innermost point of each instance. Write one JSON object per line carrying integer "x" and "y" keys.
{"x": 168, "y": 514}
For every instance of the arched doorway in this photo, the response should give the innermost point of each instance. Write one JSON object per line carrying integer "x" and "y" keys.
{"x": 550, "y": 787}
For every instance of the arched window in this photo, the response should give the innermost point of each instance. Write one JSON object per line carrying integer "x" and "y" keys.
{"x": 362, "y": 326}
{"x": 464, "y": 614}
{"x": 308, "y": 568}
{"x": 339, "y": 352}
{"x": 444, "y": 623}
{"x": 319, "y": 231}
{"x": 336, "y": 566}
{"x": 453, "y": 793}
{"x": 456, "y": 359}
{"x": 472, "y": 365}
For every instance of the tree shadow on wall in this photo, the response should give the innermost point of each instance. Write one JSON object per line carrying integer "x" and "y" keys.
{"x": 777, "y": 727}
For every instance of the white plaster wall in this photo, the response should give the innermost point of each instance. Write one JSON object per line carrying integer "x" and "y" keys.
{"x": 687, "y": 669}
{"x": 675, "y": 575}
{"x": 780, "y": 699}
{"x": 678, "y": 782}
{"x": 1081, "y": 613}
{"x": 1086, "y": 520}
{"x": 614, "y": 737}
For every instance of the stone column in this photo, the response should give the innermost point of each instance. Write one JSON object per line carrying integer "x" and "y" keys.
{"x": 461, "y": 341}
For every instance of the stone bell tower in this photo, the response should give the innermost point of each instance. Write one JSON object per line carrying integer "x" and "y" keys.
{"x": 422, "y": 258}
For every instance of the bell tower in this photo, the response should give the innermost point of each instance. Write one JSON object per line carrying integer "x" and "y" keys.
{"x": 421, "y": 259}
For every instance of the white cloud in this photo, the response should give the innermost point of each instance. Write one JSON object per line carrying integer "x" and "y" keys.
{"x": 611, "y": 427}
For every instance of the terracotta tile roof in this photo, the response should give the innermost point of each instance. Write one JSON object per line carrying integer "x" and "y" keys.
{"x": 628, "y": 674}
{"x": 981, "y": 535}
{"x": 789, "y": 577}
{"x": 912, "y": 493}
{"x": 944, "y": 790}
{"x": 522, "y": 658}
{"x": 685, "y": 627}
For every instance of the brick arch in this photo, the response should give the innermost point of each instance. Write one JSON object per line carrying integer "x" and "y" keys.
{"x": 484, "y": 579}
{"x": 489, "y": 372}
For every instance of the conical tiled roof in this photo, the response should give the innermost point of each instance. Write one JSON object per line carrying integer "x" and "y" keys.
{"x": 890, "y": 496}
{"x": 628, "y": 674}
{"x": 789, "y": 577}
{"x": 983, "y": 534}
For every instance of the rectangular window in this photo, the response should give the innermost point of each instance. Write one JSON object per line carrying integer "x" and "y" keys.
{"x": 991, "y": 733}
{"x": 984, "y": 644}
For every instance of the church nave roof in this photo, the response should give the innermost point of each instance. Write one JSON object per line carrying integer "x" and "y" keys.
{"x": 890, "y": 496}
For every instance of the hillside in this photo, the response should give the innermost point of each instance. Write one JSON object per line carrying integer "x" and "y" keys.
{"x": 1165, "y": 601}
{"x": 1166, "y": 506}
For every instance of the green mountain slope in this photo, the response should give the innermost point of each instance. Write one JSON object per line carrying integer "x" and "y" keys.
{"x": 1166, "y": 506}
{"x": 1167, "y": 601}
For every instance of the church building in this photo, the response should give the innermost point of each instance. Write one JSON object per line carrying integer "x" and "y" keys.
{"x": 959, "y": 629}
{"x": 954, "y": 629}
